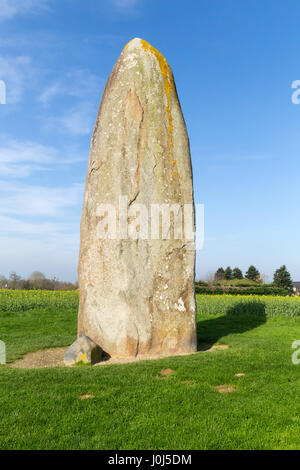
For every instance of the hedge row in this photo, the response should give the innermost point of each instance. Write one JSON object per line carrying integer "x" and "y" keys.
{"x": 246, "y": 291}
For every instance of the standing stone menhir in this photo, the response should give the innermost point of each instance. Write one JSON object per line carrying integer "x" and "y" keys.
{"x": 137, "y": 288}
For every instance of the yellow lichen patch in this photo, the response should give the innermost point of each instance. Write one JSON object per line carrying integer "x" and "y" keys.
{"x": 128, "y": 44}
{"x": 84, "y": 358}
{"x": 168, "y": 82}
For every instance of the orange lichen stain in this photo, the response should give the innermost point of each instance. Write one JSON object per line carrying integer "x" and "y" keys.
{"x": 168, "y": 82}
{"x": 174, "y": 162}
{"x": 127, "y": 44}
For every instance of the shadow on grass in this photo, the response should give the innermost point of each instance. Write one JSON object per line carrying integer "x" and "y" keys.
{"x": 238, "y": 319}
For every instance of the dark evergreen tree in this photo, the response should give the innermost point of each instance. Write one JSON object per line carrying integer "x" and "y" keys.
{"x": 228, "y": 273}
{"x": 219, "y": 274}
{"x": 252, "y": 274}
{"x": 282, "y": 278}
{"x": 237, "y": 273}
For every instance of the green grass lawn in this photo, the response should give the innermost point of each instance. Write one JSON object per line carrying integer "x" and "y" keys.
{"x": 134, "y": 407}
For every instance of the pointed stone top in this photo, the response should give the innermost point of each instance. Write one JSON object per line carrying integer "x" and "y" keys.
{"x": 138, "y": 44}
{"x": 142, "y": 50}
{"x": 144, "y": 46}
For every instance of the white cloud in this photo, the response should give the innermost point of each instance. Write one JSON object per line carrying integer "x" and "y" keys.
{"x": 17, "y": 171}
{"x": 78, "y": 84}
{"x": 17, "y": 73}
{"x": 79, "y": 120}
{"x": 38, "y": 201}
{"x": 11, "y": 8}
{"x": 40, "y": 229}
{"x": 15, "y": 151}
{"x": 38, "y": 223}
{"x": 14, "y": 227}
{"x": 50, "y": 92}
{"x": 20, "y": 159}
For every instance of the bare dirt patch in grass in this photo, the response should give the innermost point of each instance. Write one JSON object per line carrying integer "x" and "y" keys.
{"x": 86, "y": 396}
{"x": 209, "y": 347}
{"x": 167, "y": 372}
{"x": 225, "y": 388}
{"x": 53, "y": 357}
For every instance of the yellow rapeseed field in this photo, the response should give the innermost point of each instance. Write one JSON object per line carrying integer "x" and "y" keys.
{"x": 21, "y": 300}
{"x": 270, "y": 306}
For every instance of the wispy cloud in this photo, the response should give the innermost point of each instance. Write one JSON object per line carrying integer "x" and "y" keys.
{"x": 77, "y": 84}
{"x": 85, "y": 90}
{"x": 15, "y": 151}
{"x": 10, "y": 8}
{"x": 17, "y": 171}
{"x": 50, "y": 92}
{"x": 40, "y": 225}
{"x": 38, "y": 201}
{"x": 20, "y": 159}
{"x": 18, "y": 74}
{"x": 77, "y": 121}
{"x": 38, "y": 221}
{"x": 125, "y": 5}
{"x": 14, "y": 227}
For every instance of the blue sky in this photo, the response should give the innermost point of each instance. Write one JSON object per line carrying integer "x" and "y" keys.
{"x": 234, "y": 63}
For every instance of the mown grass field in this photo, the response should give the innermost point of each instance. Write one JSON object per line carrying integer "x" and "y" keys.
{"x": 133, "y": 407}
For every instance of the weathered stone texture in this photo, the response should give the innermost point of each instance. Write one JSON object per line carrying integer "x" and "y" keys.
{"x": 137, "y": 296}
{"x": 83, "y": 350}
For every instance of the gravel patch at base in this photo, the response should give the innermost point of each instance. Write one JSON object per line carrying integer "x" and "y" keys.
{"x": 54, "y": 357}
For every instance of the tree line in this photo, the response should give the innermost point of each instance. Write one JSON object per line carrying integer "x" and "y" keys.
{"x": 36, "y": 280}
{"x": 281, "y": 278}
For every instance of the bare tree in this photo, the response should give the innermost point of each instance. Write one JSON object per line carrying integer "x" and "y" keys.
{"x": 14, "y": 277}
{"x": 14, "y": 280}
{"x": 37, "y": 276}
{"x": 210, "y": 276}
{"x": 3, "y": 282}
{"x": 263, "y": 278}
